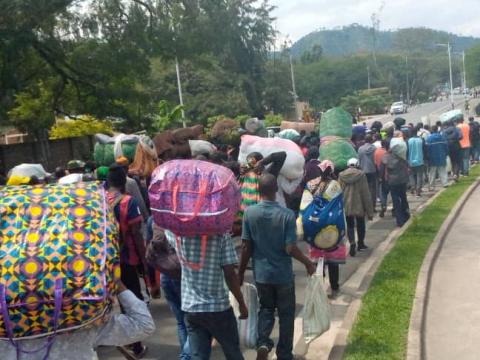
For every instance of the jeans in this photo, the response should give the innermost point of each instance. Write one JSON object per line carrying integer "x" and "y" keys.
{"x": 384, "y": 191}
{"x": 400, "y": 203}
{"x": 172, "y": 291}
{"x": 282, "y": 298}
{"x": 475, "y": 151}
{"x": 360, "y": 222}
{"x": 372, "y": 186}
{"x": 416, "y": 178}
{"x": 465, "y": 161}
{"x": 442, "y": 174}
{"x": 222, "y": 326}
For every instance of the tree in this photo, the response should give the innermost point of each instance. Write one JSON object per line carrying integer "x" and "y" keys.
{"x": 472, "y": 64}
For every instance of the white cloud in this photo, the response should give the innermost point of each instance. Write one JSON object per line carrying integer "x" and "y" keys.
{"x": 298, "y": 18}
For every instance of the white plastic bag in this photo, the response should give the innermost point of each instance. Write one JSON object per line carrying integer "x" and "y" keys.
{"x": 247, "y": 328}
{"x": 316, "y": 311}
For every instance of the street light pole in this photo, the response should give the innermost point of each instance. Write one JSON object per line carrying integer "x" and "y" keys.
{"x": 408, "y": 82}
{"x": 451, "y": 75}
{"x": 294, "y": 91}
{"x": 368, "y": 76}
{"x": 464, "y": 71}
{"x": 180, "y": 95}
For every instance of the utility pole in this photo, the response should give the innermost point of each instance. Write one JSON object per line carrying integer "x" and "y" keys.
{"x": 451, "y": 75}
{"x": 368, "y": 76}
{"x": 294, "y": 91}
{"x": 408, "y": 82}
{"x": 464, "y": 71}
{"x": 180, "y": 95}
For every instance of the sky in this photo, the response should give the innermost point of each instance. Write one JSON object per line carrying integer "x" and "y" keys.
{"x": 296, "y": 18}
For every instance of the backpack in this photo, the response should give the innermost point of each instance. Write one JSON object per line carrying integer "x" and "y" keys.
{"x": 193, "y": 197}
{"x": 324, "y": 222}
{"x": 58, "y": 260}
{"x": 162, "y": 256}
{"x": 474, "y": 131}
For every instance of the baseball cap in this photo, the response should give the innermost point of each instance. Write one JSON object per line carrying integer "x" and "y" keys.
{"x": 353, "y": 162}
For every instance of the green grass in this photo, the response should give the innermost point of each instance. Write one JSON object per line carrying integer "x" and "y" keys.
{"x": 381, "y": 329}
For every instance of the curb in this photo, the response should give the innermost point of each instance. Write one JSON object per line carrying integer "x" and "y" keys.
{"x": 416, "y": 349}
{"x": 358, "y": 284}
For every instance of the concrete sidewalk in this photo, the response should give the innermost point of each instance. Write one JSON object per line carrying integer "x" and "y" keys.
{"x": 452, "y": 327}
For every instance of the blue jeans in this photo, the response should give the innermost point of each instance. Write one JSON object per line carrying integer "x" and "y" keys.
{"x": 222, "y": 326}
{"x": 172, "y": 291}
{"x": 282, "y": 298}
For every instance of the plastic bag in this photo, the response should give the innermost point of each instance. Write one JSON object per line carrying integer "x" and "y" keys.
{"x": 316, "y": 311}
{"x": 247, "y": 328}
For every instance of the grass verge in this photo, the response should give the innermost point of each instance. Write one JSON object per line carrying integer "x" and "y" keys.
{"x": 381, "y": 328}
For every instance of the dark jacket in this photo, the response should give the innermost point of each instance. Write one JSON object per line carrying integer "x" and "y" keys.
{"x": 395, "y": 169}
{"x": 356, "y": 194}
{"x": 437, "y": 149}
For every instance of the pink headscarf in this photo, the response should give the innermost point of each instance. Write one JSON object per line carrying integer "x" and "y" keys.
{"x": 325, "y": 164}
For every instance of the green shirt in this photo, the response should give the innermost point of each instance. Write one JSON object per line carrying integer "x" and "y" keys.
{"x": 270, "y": 228}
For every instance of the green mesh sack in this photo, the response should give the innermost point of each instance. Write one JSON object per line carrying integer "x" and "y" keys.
{"x": 336, "y": 122}
{"x": 339, "y": 152}
{"x": 104, "y": 155}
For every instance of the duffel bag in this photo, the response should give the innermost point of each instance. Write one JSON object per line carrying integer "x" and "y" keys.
{"x": 193, "y": 197}
{"x": 324, "y": 222}
{"x": 58, "y": 260}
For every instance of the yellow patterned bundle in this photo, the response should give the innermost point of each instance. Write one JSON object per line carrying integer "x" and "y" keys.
{"x": 58, "y": 258}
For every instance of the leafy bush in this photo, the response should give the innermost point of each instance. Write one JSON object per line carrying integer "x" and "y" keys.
{"x": 273, "y": 120}
{"x": 82, "y": 126}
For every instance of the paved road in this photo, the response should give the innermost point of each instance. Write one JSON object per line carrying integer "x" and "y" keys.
{"x": 428, "y": 111}
{"x": 453, "y": 313}
{"x": 164, "y": 345}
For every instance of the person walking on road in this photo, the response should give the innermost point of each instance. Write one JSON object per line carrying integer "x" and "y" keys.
{"x": 269, "y": 236}
{"x": 205, "y": 299}
{"x": 357, "y": 202}
{"x": 437, "y": 152}
{"x": 453, "y": 135}
{"x": 366, "y": 159}
{"x": 395, "y": 169}
{"x": 382, "y": 183}
{"x": 325, "y": 186}
{"x": 416, "y": 162}
{"x": 474, "y": 139}
{"x": 465, "y": 146}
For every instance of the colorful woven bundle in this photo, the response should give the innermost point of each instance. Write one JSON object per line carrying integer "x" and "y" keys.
{"x": 58, "y": 258}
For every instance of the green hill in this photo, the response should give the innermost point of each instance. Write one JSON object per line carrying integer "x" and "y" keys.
{"x": 354, "y": 39}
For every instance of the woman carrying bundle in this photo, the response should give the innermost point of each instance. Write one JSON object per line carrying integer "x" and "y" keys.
{"x": 326, "y": 187}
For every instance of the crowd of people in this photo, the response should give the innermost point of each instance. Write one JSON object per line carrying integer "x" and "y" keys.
{"x": 391, "y": 160}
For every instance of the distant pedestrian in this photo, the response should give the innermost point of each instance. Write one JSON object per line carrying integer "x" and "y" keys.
{"x": 453, "y": 136}
{"x": 269, "y": 236}
{"x": 395, "y": 169}
{"x": 474, "y": 139}
{"x": 366, "y": 157}
{"x": 383, "y": 186}
{"x": 464, "y": 145}
{"x": 416, "y": 162}
{"x": 437, "y": 150}
{"x": 357, "y": 202}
